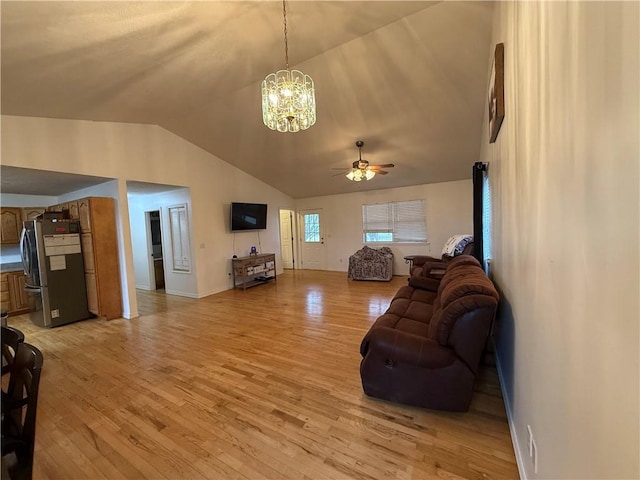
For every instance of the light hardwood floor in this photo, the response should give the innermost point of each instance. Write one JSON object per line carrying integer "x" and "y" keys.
{"x": 256, "y": 384}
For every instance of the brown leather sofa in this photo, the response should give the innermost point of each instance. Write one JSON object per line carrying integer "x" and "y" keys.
{"x": 425, "y": 349}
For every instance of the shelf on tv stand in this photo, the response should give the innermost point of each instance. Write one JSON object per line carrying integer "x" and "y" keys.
{"x": 253, "y": 270}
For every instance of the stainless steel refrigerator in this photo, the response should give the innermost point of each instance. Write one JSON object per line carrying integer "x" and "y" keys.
{"x": 54, "y": 268}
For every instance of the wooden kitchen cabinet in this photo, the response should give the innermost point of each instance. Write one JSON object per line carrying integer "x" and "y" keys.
{"x": 14, "y": 298}
{"x": 74, "y": 212}
{"x": 100, "y": 249}
{"x": 5, "y": 299}
{"x": 84, "y": 215}
{"x": 32, "y": 212}
{"x": 17, "y": 293}
{"x": 11, "y": 225}
{"x": 87, "y": 252}
{"x": 92, "y": 292}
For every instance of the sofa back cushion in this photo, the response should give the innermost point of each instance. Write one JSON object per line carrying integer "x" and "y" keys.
{"x": 461, "y": 291}
{"x": 463, "y": 260}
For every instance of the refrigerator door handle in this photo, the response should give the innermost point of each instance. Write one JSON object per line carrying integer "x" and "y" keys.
{"x": 24, "y": 246}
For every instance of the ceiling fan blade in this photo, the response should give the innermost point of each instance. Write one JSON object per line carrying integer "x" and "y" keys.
{"x": 338, "y": 174}
{"x": 386, "y": 165}
{"x": 381, "y": 172}
{"x": 343, "y": 169}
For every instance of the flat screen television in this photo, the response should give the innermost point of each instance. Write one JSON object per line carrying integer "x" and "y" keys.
{"x": 248, "y": 216}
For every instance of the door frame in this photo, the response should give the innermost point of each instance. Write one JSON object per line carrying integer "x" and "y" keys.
{"x": 150, "y": 265}
{"x": 150, "y": 258}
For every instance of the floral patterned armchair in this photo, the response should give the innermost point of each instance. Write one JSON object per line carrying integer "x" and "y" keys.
{"x": 371, "y": 264}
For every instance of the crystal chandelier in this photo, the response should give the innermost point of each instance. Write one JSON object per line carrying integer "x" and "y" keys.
{"x": 288, "y": 96}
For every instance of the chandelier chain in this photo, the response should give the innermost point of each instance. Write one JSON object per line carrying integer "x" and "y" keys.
{"x": 288, "y": 96}
{"x": 286, "y": 44}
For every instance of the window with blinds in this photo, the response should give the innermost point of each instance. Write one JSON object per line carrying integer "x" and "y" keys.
{"x": 394, "y": 222}
{"x": 486, "y": 218}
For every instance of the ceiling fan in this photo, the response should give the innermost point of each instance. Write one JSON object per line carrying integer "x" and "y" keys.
{"x": 361, "y": 170}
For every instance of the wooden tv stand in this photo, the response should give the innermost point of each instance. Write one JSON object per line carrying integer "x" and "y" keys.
{"x": 253, "y": 270}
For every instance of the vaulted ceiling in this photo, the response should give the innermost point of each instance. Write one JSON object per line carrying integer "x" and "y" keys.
{"x": 408, "y": 78}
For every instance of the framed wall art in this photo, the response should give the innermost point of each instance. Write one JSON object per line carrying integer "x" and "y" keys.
{"x": 496, "y": 93}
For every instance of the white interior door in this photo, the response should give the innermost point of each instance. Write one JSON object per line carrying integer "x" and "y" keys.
{"x": 286, "y": 238}
{"x": 314, "y": 254}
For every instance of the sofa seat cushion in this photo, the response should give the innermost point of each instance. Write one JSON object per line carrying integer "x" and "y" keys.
{"x": 412, "y": 304}
{"x": 415, "y": 295}
{"x": 404, "y": 324}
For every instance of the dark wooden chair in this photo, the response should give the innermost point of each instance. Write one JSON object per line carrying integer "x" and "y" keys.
{"x": 11, "y": 337}
{"x": 19, "y": 412}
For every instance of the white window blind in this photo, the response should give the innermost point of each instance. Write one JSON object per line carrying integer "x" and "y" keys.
{"x": 397, "y": 222}
{"x": 486, "y": 218}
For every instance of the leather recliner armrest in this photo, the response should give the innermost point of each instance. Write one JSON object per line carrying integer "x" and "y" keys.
{"x": 439, "y": 265}
{"x": 397, "y": 346}
{"x": 419, "y": 260}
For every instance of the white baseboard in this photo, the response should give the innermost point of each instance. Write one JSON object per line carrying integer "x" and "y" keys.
{"x": 213, "y": 292}
{"x": 130, "y": 315}
{"x": 181, "y": 294}
{"x": 512, "y": 427}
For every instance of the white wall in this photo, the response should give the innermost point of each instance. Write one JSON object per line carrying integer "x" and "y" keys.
{"x": 147, "y": 153}
{"x": 449, "y": 210}
{"x": 564, "y": 178}
{"x": 138, "y": 205}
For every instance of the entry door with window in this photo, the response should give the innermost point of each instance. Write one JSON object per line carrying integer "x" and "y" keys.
{"x": 313, "y": 248}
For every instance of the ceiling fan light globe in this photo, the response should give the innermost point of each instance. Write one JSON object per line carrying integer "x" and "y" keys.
{"x": 369, "y": 174}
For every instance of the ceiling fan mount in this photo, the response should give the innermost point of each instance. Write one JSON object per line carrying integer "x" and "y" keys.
{"x": 361, "y": 164}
